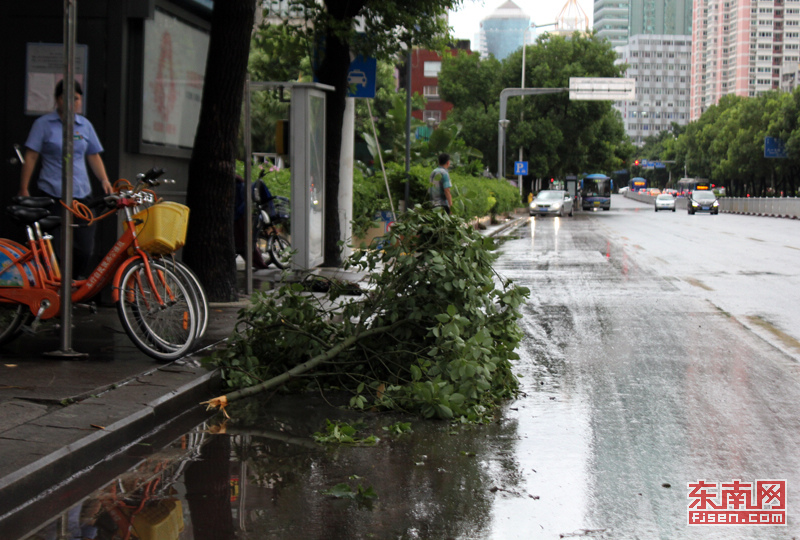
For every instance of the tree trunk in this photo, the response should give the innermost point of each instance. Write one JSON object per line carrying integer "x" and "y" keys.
{"x": 209, "y": 247}
{"x": 333, "y": 71}
{"x": 208, "y": 491}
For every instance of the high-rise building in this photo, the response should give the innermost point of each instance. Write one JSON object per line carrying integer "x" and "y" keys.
{"x": 661, "y": 66}
{"x": 611, "y": 20}
{"x": 617, "y": 20}
{"x": 504, "y": 31}
{"x": 660, "y": 17}
{"x": 742, "y": 47}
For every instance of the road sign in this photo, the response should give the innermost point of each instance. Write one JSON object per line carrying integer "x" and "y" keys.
{"x": 520, "y": 168}
{"x": 774, "y": 148}
{"x": 602, "y": 88}
{"x": 361, "y": 77}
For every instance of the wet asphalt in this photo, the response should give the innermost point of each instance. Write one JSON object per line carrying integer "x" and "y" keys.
{"x": 62, "y": 411}
{"x": 660, "y": 349}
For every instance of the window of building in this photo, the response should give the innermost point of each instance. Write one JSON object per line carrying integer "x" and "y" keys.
{"x": 432, "y": 69}
{"x": 435, "y": 115}
{"x": 430, "y": 91}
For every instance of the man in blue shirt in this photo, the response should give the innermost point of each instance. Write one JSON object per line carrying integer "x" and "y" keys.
{"x": 440, "y": 184}
{"x": 45, "y": 140}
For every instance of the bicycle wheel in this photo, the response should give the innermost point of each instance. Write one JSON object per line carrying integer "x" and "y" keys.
{"x": 165, "y": 330}
{"x": 279, "y": 250}
{"x": 199, "y": 298}
{"x": 12, "y": 316}
{"x": 262, "y": 249}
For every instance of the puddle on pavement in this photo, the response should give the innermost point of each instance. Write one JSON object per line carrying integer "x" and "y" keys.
{"x": 262, "y": 474}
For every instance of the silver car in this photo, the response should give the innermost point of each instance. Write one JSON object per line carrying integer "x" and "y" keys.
{"x": 552, "y": 201}
{"x": 665, "y": 201}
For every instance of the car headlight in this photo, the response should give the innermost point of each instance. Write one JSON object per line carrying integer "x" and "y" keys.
{"x": 716, "y": 203}
{"x": 694, "y": 203}
{"x": 556, "y": 205}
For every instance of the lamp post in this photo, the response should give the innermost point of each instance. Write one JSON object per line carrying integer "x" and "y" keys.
{"x": 501, "y": 147}
{"x": 531, "y": 26}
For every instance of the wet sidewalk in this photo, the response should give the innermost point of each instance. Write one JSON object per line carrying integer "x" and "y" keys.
{"x": 58, "y": 417}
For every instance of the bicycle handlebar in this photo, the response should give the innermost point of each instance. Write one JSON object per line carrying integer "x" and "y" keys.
{"x": 151, "y": 176}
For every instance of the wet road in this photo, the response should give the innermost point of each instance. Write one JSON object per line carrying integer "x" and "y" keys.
{"x": 660, "y": 349}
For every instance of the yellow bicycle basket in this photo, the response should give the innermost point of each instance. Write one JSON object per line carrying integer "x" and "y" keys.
{"x": 161, "y": 229}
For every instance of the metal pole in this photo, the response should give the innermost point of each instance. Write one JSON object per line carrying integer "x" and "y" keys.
{"x": 249, "y": 241}
{"x": 70, "y": 8}
{"x": 408, "y": 128}
{"x": 504, "y": 95}
{"x": 522, "y": 110}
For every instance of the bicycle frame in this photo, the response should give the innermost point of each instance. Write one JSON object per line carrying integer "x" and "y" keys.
{"x": 40, "y": 290}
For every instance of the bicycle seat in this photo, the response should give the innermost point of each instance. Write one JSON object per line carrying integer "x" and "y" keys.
{"x": 26, "y": 214}
{"x": 34, "y": 202}
{"x": 49, "y": 223}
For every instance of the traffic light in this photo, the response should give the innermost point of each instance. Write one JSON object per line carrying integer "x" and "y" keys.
{"x": 635, "y": 162}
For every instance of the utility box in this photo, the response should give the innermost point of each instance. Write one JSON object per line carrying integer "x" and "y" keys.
{"x": 307, "y": 162}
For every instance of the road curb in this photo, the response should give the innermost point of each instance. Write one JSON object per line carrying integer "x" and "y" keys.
{"x": 81, "y": 452}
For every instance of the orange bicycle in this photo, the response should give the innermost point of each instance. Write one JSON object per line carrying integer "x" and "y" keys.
{"x": 159, "y": 307}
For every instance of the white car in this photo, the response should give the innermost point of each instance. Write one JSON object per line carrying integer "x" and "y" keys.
{"x": 552, "y": 201}
{"x": 665, "y": 201}
{"x": 623, "y": 190}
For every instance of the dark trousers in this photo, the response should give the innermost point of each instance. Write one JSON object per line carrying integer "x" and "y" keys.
{"x": 82, "y": 240}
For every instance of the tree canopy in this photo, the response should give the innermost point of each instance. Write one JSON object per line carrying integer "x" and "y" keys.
{"x": 558, "y": 136}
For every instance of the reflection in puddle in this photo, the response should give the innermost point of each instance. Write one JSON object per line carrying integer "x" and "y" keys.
{"x": 263, "y": 474}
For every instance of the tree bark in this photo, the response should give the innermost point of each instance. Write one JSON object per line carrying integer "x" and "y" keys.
{"x": 333, "y": 71}
{"x": 209, "y": 249}
{"x": 208, "y": 491}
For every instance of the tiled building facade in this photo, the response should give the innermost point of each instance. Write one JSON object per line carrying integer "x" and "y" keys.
{"x": 742, "y": 47}
{"x": 661, "y": 65}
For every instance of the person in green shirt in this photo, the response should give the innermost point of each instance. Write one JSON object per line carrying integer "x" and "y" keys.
{"x": 440, "y": 185}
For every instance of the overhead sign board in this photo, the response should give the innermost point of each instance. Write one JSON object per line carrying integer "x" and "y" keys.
{"x": 602, "y": 88}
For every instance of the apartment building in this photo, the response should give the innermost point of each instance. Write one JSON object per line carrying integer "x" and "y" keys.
{"x": 742, "y": 47}
{"x": 661, "y": 66}
{"x": 617, "y": 20}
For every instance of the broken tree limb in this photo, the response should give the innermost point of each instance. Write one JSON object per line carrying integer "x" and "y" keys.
{"x": 222, "y": 401}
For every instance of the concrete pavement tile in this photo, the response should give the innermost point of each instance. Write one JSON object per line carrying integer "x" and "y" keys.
{"x": 17, "y": 412}
{"x": 97, "y": 411}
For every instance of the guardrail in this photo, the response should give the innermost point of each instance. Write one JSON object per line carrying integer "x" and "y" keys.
{"x": 783, "y": 207}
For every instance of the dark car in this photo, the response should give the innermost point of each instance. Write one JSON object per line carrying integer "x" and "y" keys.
{"x": 702, "y": 201}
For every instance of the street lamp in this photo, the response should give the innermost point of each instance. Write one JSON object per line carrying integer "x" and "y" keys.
{"x": 532, "y": 26}
{"x": 501, "y": 147}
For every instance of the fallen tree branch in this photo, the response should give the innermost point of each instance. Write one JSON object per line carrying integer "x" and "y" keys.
{"x": 222, "y": 401}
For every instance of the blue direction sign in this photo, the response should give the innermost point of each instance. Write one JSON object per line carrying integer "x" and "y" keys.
{"x": 774, "y": 148}
{"x": 361, "y": 77}
{"x": 520, "y": 168}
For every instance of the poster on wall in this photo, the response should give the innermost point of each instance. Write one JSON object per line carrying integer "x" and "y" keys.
{"x": 44, "y": 67}
{"x": 174, "y": 72}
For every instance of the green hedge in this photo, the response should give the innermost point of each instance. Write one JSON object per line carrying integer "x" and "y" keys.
{"x": 473, "y": 196}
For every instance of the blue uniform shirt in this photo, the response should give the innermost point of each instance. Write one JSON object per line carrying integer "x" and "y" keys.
{"x": 45, "y": 138}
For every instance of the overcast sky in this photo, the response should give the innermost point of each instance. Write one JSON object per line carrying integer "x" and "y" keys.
{"x": 466, "y": 21}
